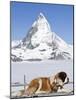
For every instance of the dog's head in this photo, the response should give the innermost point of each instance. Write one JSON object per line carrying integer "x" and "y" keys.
{"x": 61, "y": 78}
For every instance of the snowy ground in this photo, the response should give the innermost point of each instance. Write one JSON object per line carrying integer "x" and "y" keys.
{"x": 37, "y": 69}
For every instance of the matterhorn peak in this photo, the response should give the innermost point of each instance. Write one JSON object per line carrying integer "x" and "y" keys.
{"x": 42, "y": 18}
{"x": 41, "y": 43}
{"x": 41, "y": 21}
{"x": 41, "y": 15}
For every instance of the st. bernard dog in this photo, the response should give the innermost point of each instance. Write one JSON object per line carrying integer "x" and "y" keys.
{"x": 46, "y": 84}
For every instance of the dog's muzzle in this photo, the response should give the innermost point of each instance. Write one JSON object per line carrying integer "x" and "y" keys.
{"x": 66, "y": 81}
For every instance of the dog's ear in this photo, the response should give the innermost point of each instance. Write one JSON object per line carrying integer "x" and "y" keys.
{"x": 62, "y": 75}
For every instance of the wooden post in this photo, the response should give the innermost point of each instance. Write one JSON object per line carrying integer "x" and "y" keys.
{"x": 24, "y": 81}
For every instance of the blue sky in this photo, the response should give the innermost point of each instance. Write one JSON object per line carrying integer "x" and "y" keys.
{"x": 24, "y": 14}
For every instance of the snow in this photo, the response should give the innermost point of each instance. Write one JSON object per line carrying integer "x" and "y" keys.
{"x": 15, "y": 43}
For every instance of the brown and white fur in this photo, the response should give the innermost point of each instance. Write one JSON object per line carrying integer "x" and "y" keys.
{"x": 46, "y": 84}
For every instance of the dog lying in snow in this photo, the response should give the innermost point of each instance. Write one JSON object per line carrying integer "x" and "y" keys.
{"x": 46, "y": 84}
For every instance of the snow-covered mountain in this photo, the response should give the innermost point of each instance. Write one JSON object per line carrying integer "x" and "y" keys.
{"x": 41, "y": 43}
{"x": 15, "y": 43}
